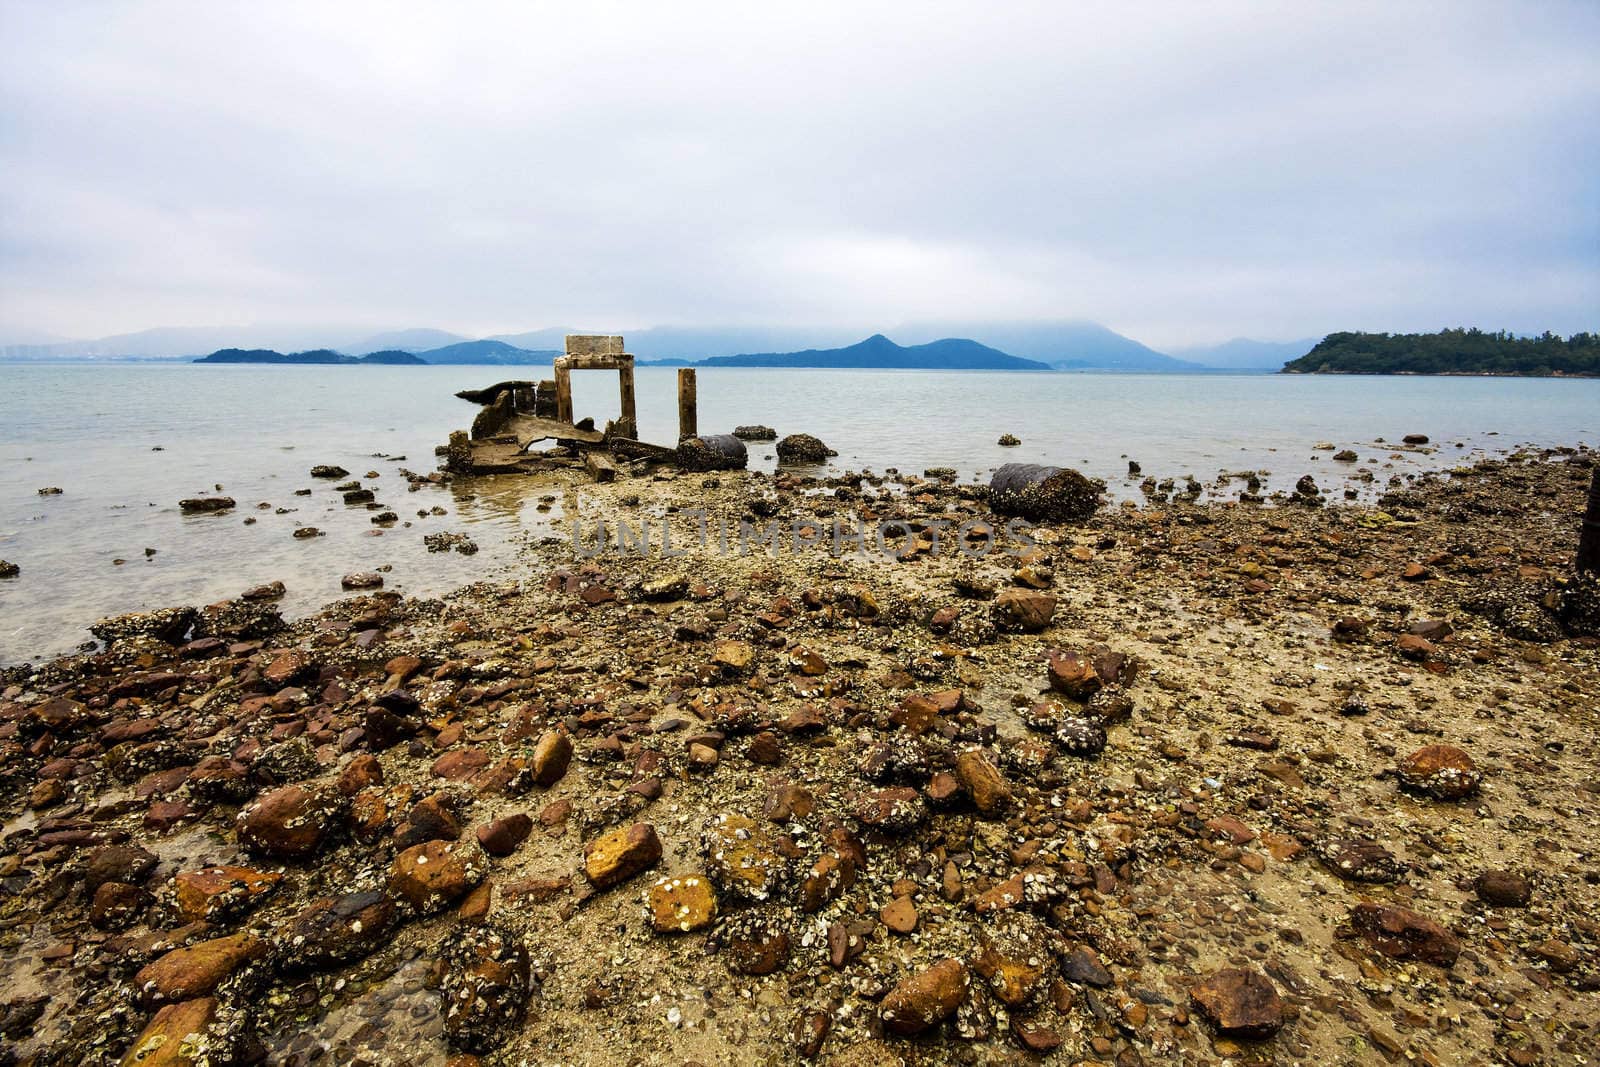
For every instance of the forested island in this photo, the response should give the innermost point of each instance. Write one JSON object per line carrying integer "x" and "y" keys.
{"x": 1458, "y": 351}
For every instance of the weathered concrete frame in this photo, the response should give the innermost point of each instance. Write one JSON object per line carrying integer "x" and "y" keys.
{"x": 622, "y": 363}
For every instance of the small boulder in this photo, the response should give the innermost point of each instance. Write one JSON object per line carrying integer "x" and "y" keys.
{"x": 335, "y": 930}
{"x": 503, "y": 836}
{"x": 619, "y": 855}
{"x": 205, "y": 505}
{"x": 196, "y": 970}
{"x": 1240, "y": 1003}
{"x": 551, "y": 757}
{"x": 926, "y": 998}
{"x": 212, "y": 894}
{"x": 1403, "y": 934}
{"x": 1443, "y": 772}
{"x": 433, "y": 875}
{"x": 1503, "y": 889}
{"x": 291, "y": 822}
{"x": 802, "y": 448}
{"x": 990, "y": 792}
{"x": 1024, "y": 610}
{"x": 179, "y": 1036}
{"x": 681, "y": 903}
{"x": 485, "y": 986}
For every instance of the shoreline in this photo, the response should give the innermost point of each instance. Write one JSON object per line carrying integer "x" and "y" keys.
{"x": 1092, "y": 840}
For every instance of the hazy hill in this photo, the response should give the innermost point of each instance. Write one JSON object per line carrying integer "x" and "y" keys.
{"x": 878, "y": 351}
{"x": 169, "y": 341}
{"x": 491, "y": 353}
{"x": 698, "y": 342}
{"x": 1458, "y": 351}
{"x": 1242, "y": 353}
{"x": 1067, "y": 344}
{"x": 420, "y": 339}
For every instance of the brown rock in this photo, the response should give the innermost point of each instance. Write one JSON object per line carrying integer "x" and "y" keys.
{"x": 460, "y": 763}
{"x": 1440, "y": 771}
{"x": 1016, "y": 958}
{"x": 551, "y": 757}
{"x": 1403, "y": 934}
{"x": 1360, "y": 861}
{"x": 214, "y": 893}
{"x": 733, "y": 656}
{"x": 359, "y": 773}
{"x": 743, "y": 859}
{"x": 1002, "y": 896}
{"x": 431, "y": 876}
{"x": 430, "y": 819}
{"x": 196, "y": 970}
{"x": 989, "y": 791}
{"x": 1074, "y": 675}
{"x": 286, "y": 668}
{"x": 178, "y": 1036}
{"x": 1024, "y": 610}
{"x": 899, "y": 915}
{"x": 289, "y": 823}
{"x": 1240, "y": 1003}
{"x": 117, "y": 863}
{"x": 895, "y": 810}
{"x": 619, "y": 855}
{"x": 810, "y": 1031}
{"x": 827, "y": 880}
{"x": 765, "y": 749}
{"x": 335, "y": 930}
{"x": 485, "y": 987}
{"x": 1503, "y": 889}
{"x": 681, "y": 903}
{"x": 1414, "y": 647}
{"x": 757, "y": 942}
{"x": 925, "y": 999}
{"x": 115, "y": 905}
{"x": 503, "y": 836}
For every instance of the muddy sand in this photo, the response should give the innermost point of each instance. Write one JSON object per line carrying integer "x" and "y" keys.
{"x": 1183, "y": 783}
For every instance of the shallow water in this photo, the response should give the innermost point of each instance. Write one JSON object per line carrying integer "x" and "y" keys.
{"x": 126, "y": 442}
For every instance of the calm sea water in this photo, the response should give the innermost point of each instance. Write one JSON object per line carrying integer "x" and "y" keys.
{"x": 126, "y": 442}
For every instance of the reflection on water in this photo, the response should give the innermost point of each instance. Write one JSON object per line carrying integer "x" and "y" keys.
{"x": 126, "y": 443}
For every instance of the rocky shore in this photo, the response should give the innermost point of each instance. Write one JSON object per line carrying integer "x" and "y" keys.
{"x": 1181, "y": 783}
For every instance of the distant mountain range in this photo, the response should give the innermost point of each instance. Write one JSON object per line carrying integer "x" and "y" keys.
{"x": 315, "y": 356}
{"x": 879, "y": 352}
{"x": 474, "y": 353}
{"x": 1241, "y": 353}
{"x": 1067, "y": 344}
{"x": 491, "y": 353}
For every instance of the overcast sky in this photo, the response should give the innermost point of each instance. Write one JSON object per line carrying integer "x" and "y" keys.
{"x": 1181, "y": 172}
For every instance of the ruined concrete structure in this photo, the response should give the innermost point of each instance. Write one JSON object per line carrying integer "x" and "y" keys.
{"x": 518, "y": 413}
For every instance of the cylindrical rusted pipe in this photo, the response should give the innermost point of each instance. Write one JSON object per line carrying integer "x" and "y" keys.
{"x": 1589, "y": 534}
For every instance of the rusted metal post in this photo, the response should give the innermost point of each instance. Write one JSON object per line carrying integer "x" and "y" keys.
{"x": 688, "y": 415}
{"x": 563, "y": 392}
{"x": 1589, "y": 534}
{"x": 625, "y": 387}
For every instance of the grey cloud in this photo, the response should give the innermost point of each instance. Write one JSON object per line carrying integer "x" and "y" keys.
{"x": 1181, "y": 172}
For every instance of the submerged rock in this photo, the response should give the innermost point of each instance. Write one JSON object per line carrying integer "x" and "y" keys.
{"x": 802, "y": 448}
{"x": 204, "y": 505}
